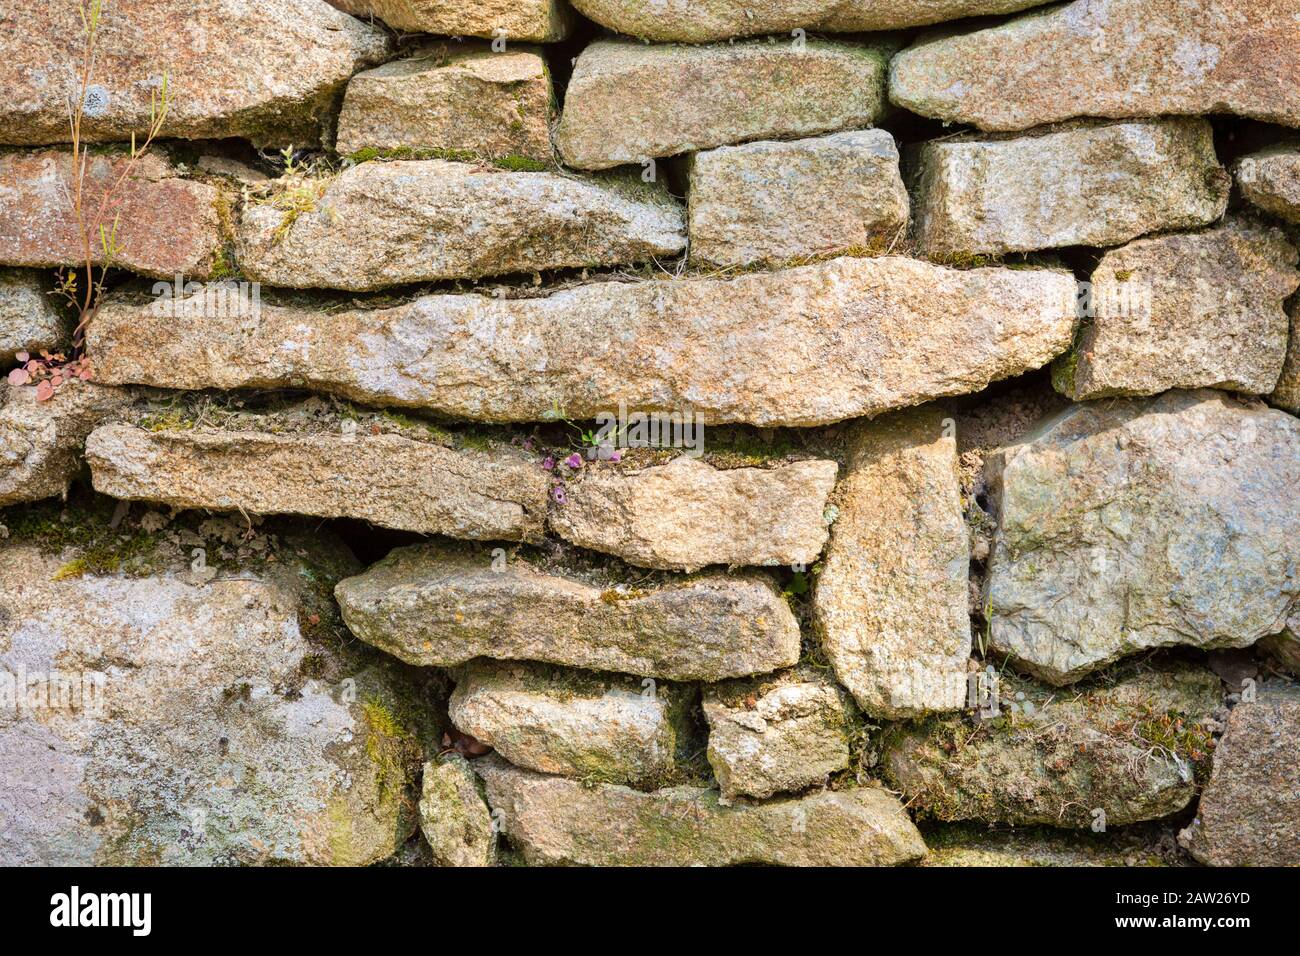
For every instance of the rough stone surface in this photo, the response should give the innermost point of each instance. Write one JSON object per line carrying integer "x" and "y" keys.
{"x": 536, "y": 21}
{"x": 1144, "y": 523}
{"x": 29, "y": 322}
{"x": 554, "y": 821}
{"x": 1271, "y": 180}
{"x": 890, "y": 603}
{"x": 1109, "y": 58}
{"x": 1073, "y": 185}
{"x": 1249, "y": 814}
{"x": 41, "y": 442}
{"x": 462, "y": 99}
{"x": 1186, "y": 311}
{"x": 628, "y": 102}
{"x": 454, "y": 817}
{"x": 784, "y": 734}
{"x": 436, "y": 606}
{"x": 1062, "y": 758}
{"x": 266, "y": 71}
{"x": 804, "y": 346}
{"x": 603, "y": 730}
{"x": 699, "y": 21}
{"x": 688, "y": 514}
{"x": 389, "y": 480}
{"x": 976, "y": 845}
{"x": 769, "y": 203}
{"x": 166, "y": 225}
{"x": 1287, "y": 392}
{"x": 1285, "y": 646}
{"x": 382, "y": 224}
{"x": 208, "y": 742}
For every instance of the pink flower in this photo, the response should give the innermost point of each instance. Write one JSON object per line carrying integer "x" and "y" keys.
{"x": 548, "y": 463}
{"x": 615, "y": 456}
{"x": 574, "y": 460}
{"x": 559, "y": 495}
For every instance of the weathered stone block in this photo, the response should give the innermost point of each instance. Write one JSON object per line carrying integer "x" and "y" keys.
{"x": 769, "y": 203}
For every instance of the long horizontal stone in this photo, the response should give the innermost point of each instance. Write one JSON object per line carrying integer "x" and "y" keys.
{"x": 1186, "y": 311}
{"x": 1109, "y": 58}
{"x": 166, "y": 225}
{"x": 700, "y": 21}
{"x": 1121, "y": 751}
{"x": 41, "y": 441}
{"x": 389, "y": 480}
{"x": 537, "y": 21}
{"x": 688, "y": 514}
{"x": 1081, "y": 184}
{"x": 1133, "y": 524}
{"x": 554, "y": 820}
{"x": 890, "y": 603}
{"x": 628, "y": 102}
{"x": 771, "y": 202}
{"x": 29, "y": 322}
{"x": 594, "y": 729}
{"x": 382, "y": 224}
{"x": 266, "y": 71}
{"x": 436, "y": 606}
{"x": 806, "y": 346}
{"x": 452, "y": 98}
{"x": 1271, "y": 180}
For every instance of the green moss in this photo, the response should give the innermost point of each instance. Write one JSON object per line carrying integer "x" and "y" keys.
{"x": 520, "y": 164}
{"x": 392, "y": 749}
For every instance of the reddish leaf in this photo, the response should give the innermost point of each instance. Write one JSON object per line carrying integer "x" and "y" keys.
{"x": 44, "y": 391}
{"x": 19, "y": 376}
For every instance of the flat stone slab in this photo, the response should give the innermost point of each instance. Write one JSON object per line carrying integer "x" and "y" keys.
{"x": 700, "y": 21}
{"x": 1109, "y": 58}
{"x": 1249, "y": 814}
{"x": 436, "y": 606}
{"x": 1186, "y": 311}
{"x": 537, "y": 21}
{"x": 41, "y": 442}
{"x": 806, "y": 346}
{"x": 226, "y": 721}
{"x": 1140, "y": 523}
{"x": 780, "y": 734}
{"x": 29, "y": 322}
{"x": 265, "y": 71}
{"x": 594, "y": 729}
{"x": 1110, "y": 755}
{"x": 1271, "y": 180}
{"x": 167, "y": 225}
{"x": 389, "y": 480}
{"x": 557, "y": 821}
{"x": 771, "y": 203}
{"x": 688, "y": 514}
{"x": 890, "y": 603}
{"x": 1073, "y": 185}
{"x": 628, "y": 102}
{"x": 459, "y": 99}
{"x": 382, "y": 224}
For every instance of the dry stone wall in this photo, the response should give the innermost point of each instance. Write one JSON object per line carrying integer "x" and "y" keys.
{"x": 644, "y": 432}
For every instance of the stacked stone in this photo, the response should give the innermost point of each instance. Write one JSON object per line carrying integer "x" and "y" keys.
{"x": 917, "y": 601}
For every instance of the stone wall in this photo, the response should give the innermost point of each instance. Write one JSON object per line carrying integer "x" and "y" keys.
{"x": 650, "y": 432}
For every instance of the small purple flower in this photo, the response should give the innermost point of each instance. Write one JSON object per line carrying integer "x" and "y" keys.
{"x": 574, "y": 460}
{"x": 548, "y": 463}
{"x": 559, "y": 495}
{"x": 528, "y": 444}
{"x": 615, "y": 456}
